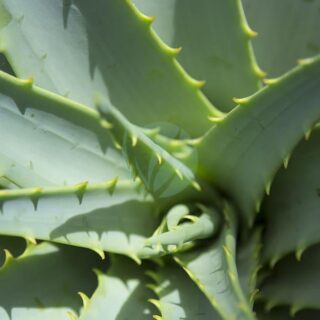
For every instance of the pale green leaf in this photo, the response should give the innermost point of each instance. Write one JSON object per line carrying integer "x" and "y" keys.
{"x": 48, "y": 140}
{"x": 288, "y": 30}
{"x": 213, "y": 268}
{"x": 106, "y": 47}
{"x": 292, "y": 212}
{"x": 121, "y": 294}
{"x": 179, "y": 297}
{"x": 294, "y": 283}
{"x": 43, "y": 283}
{"x": 242, "y": 153}
{"x": 214, "y": 37}
{"x": 103, "y": 217}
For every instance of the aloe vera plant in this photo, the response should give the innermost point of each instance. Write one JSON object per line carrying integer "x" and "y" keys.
{"x": 152, "y": 166}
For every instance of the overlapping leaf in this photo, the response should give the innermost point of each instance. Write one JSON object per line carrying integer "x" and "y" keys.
{"x": 214, "y": 37}
{"x": 242, "y": 153}
{"x": 90, "y": 42}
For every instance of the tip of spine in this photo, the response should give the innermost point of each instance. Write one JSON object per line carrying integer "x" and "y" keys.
{"x": 27, "y": 82}
{"x": 250, "y": 33}
{"x": 299, "y": 252}
{"x": 260, "y": 73}
{"x": 215, "y": 119}
{"x": 305, "y": 62}
{"x": 294, "y": 309}
{"x": 85, "y": 299}
{"x": 307, "y": 134}
{"x": 106, "y": 124}
{"x": 268, "y": 188}
{"x": 241, "y": 101}
{"x": 171, "y": 51}
{"x": 155, "y": 302}
{"x": 71, "y": 315}
{"x": 100, "y": 252}
{"x": 270, "y": 81}
{"x": 157, "y": 317}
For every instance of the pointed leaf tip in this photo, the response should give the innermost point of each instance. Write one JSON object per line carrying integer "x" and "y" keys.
{"x": 85, "y": 299}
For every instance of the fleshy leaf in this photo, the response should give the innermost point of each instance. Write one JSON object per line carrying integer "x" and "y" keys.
{"x": 287, "y": 31}
{"x": 121, "y": 294}
{"x": 292, "y": 211}
{"x": 162, "y": 174}
{"x": 179, "y": 297}
{"x": 248, "y": 264}
{"x": 112, "y": 216}
{"x": 14, "y": 245}
{"x": 283, "y": 313}
{"x": 213, "y": 269}
{"x": 294, "y": 283}
{"x": 146, "y": 83}
{"x": 44, "y": 281}
{"x": 242, "y": 153}
{"x": 48, "y": 140}
{"x": 214, "y": 37}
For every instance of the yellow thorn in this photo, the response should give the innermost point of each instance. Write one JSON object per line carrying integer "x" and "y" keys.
{"x": 179, "y": 174}
{"x": 196, "y": 185}
{"x": 27, "y": 82}
{"x": 294, "y": 309}
{"x": 260, "y": 73}
{"x": 85, "y": 299}
{"x": 100, "y": 252}
{"x": 106, "y": 124}
{"x": 31, "y": 240}
{"x": 270, "y": 81}
{"x": 307, "y": 134}
{"x": 134, "y": 140}
{"x": 155, "y": 302}
{"x": 72, "y": 316}
{"x": 156, "y": 317}
{"x": 159, "y": 158}
{"x": 196, "y": 83}
{"x": 251, "y": 33}
{"x": 258, "y": 206}
{"x": 299, "y": 252}
{"x": 268, "y": 188}
{"x": 215, "y": 119}
{"x": 112, "y": 185}
{"x": 286, "y": 161}
{"x": 304, "y": 62}
{"x": 241, "y": 101}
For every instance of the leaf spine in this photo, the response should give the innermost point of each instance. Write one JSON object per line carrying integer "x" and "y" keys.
{"x": 85, "y": 299}
{"x": 270, "y": 81}
{"x": 80, "y": 190}
{"x": 241, "y": 101}
{"x": 249, "y": 32}
{"x": 100, "y": 252}
{"x": 71, "y": 315}
{"x": 156, "y": 303}
{"x": 260, "y": 73}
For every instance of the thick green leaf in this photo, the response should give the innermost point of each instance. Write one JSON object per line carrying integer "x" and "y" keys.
{"x": 162, "y": 174}
{"x": 14, "y": 245}
{"x": 121, "y": 294}
{"x": 242, "y": 153}
{"x": 213, "y": 268}
{"x": 48, "y": 140}
{"x": 292, "y": 212}
{"x": 214, "y": 37}
{"x": 294, "y": 283}
{"x": 107, "y": 216}
{"x": 282, "y": 313}
{"x": 106, "y": 47}
{"x": 287, "y": 31}
{"x": 44, "y": 281}
{"x": 248, "y": 264}
{"x": 178, "y": 295}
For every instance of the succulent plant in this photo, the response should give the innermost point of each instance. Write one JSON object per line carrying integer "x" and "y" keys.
{"x": 152, "y": 167}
